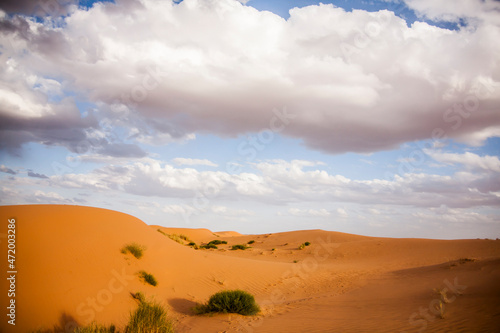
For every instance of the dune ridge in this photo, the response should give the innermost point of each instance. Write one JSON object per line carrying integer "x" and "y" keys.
{"x": 72, "y": 272}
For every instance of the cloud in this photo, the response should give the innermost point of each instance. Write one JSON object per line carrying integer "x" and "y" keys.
{"x": 3, "y": 168}
{"x": 37, "y": 175}
{"x": 309, "y": 212}
{"x": 354, "y": 81}
{"x": 38, "y": 8}
{"x": 454, "y": 10}
{"x": 280, "y": 182}
{"x": 470, "y": 160}
{"x": 122, "y": 150}
{"x": 193, "y": 161}
{"x": 341, "y": 212}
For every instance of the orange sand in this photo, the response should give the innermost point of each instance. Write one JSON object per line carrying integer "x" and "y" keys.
{"x": 71, "y": 272}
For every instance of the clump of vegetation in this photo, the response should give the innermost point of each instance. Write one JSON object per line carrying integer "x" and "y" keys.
{"x": 178, "y": 238}
{"x": 95, "y": 328}
{"x": 303, "y": 245}
{"x": 138, "y": 296}
{"x": 217, "y": 242}
{"x": 295, "y": 261}
{"x": 175, "y": 238}
{"x": 148, "y": 278}
{"x": 239, "y": 247}
{"x": 161, "y": 232}
{"x": 465, "y": 260}
{"x": 193, "y": 245}
{"x": 208, "y": 246}
{"x": 440, "y": 308}
{"x": 251, "y": 242}
{"x": 149, "y": 317}
{"x": 273, "y": 249}
{"x": 230, "y": 301}
{"x": 135, "y": 249}
{"x": 184, "y": 237}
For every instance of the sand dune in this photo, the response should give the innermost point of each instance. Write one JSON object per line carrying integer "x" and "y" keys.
{"x": 71, "y": 272}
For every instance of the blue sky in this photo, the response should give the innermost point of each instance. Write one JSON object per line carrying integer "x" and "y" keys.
{"x": 370, "y": 117}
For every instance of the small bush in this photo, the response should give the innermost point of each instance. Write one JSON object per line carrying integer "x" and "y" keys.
{"x": 138, "y": 296}
{"x": 135, "y": 249}
{"x": 208, "y": 246}
{"x": 95, "y": 328}
{"x": 184, "y": 237}
{"x": 301, "y": 246}
{"x": 307, "y": 243}
{"x": 230, "y": 301}
{"x": 239, "y": 247}
{"x": 176, "y": 238}
{"x": 251, "y": 242}
{"x": 149, "y": 317}
{"x": 149, "y": 278}
{"x": 161, "y": 232}
{"x": 217, "y": 242}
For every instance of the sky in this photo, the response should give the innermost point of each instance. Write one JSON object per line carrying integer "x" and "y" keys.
{"x": 378, "y": 118}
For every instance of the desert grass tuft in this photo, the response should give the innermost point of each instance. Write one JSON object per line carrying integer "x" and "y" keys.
{"x": 440, "y": 308}
{"x": 239, "y": 247}
{"x": 303, "y": 245}
{"x": 148, "y": 278}
{"x": 193, "y": 245}
{"x": 161, "y": 232}
{"x": 176, "y": 238}
{"x": 208, "y": 246}
{"x": 229, "y": 301}
{"x": 138, "y": 296}
{"x": 251, "y": 242}
{"x": 217, "y": 242}
{"x": 135, "y": 249}
{"x": 149, "y": 317}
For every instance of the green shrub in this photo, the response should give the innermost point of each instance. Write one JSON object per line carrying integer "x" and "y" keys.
{"x": 230, "y": 301}
{"x": 149, "y": 318}
{"x": 95, "y": 328}
{"x": 149, "y": 278}
{"x": 161, "y": 232}
{"x": 303, "y": 245}
{"x": 176, "y": 238}
{"x": 251, "y": 242}
{"x": 239, "y": 247}
{"x": 217, "y": 242}
{"x": 135, "y": 249}
{"x": 208, "y": 246}
{"x": 138, "y": 296}
{"x": 184, "y": 237}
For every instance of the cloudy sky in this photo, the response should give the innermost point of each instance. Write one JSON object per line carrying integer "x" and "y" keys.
{"x": 371, "y": 117}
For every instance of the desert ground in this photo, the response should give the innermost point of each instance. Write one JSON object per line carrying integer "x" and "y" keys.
{"x": 71, "y": 272}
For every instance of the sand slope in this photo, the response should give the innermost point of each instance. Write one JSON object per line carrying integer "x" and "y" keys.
{"x": 71, "y": 271}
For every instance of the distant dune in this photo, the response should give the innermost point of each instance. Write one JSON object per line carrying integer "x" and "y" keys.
{"x": 71, "y": 271}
